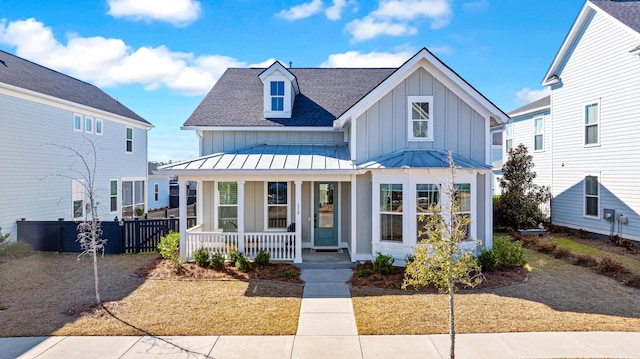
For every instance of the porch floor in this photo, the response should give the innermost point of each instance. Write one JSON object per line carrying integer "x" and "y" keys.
{"x": 325, "y": 259}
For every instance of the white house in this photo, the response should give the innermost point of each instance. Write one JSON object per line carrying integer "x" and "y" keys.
{"x": 42, "y": 110}
{"x": 590, "y": 125}
{"x": 329, "y": 158}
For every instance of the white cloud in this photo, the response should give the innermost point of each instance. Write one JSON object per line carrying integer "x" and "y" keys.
{"x": 371, "y": 59}
{"x": 397, "y": 18}
{"x": 476, "y": 6}
{"x": 334, "y": 12}
{"x": 176, "y": 12}
{"x": 301, "y": 11}
{"x": 110, "y": 62}
{"x": 527, "y": 95}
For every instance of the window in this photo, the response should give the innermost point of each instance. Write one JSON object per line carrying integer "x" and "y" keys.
{"x": 591, "y": 197}
{"x": 98, "y": 126}
{"x": 277, "y": 95}
{"x": 420, "y": 124}
{"x": 88, "y": 124}
{"x": 77, "y": 198}
{"x": 391, "y": 212}
{"x": 77, "y": 122}
{"x": 538, "y": 134}
{"x": 277, "y": 205}
{"x": 591, "y": 124}
{"x": 228, "y": 206}
{"x": 156, "y": 190}
{"x": 508, "y": 142}
{"x": 132, "y": 199}
{"x": 129, "y": 139}
{"x": 427, "y": 195}
{"x": 463, "y": 196}
{"x": 113, "y": 196}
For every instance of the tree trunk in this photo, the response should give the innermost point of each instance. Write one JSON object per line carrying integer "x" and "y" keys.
{"x": 452, "y": 329}
{"x": 95, "y": 275}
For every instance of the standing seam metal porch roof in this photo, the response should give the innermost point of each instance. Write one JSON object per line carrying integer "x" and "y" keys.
{"x": 421, "y": 159}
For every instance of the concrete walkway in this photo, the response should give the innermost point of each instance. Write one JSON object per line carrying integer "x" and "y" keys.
{"x": 327, "y": 329}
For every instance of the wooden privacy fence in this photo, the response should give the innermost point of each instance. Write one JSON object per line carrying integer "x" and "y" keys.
{"x": 128, "y": 236}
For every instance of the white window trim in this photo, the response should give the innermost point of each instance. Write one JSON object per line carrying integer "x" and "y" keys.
{"x": 126, "y": 139}
{"x": 116, "y": 195}
{"x": 584, "y": 196}
{"x": 400, "y": 213}
{"x": 95, "y": 124}
{"x": 156, "y": 192}
{"x": 430, "y": 121}
{"x": 73, "y": 123}
{"x": 289, "y": 96}
{"x": 541, "y": 118}
{"x": 584, "y": 125}
{"x": 133, "y": 194}
{"x": 507, "y": 137}
{"x": 77, "y": 196}
{"x": 88, "y": 119}
{"x": 218, "y": 204}
{"x": 266, "y": 207}
{"x": 439, "y": 204}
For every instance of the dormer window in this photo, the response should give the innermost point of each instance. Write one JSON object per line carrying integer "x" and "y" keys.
{"x": 277, "y": 95}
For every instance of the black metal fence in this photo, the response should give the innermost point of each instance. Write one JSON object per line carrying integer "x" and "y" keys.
{"x": 128, "y": 236}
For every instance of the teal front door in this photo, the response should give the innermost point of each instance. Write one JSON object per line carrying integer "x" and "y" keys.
{"x": 325, "y": 214}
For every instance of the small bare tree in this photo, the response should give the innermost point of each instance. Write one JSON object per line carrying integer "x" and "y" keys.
{"x": 439, "y": 258}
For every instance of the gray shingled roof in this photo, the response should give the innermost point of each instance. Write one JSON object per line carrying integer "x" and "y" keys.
{"x": 236, "y": 99}
{"x": 421, "y": 159}
{"x": 28, "y": 75}
{"x": 627, "y": 11}
{"x": 543, "y": 102}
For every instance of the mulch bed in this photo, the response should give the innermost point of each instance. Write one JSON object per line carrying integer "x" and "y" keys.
{"x": 499, "y": 277}
{"x": 164, "y": 269}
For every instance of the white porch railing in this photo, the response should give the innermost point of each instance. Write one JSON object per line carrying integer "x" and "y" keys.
{"x": 279, "y": 245}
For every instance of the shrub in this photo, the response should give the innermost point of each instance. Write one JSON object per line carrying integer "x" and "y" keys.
{"x": 233, "y": 256}
{"x": 409, "y": 258}
{"x": 584, "y": 261}
{"x": 608, "y": 265}
{"x": 201, "y": 256}
{"x": 487, "y": 260}
{"x": 169, "y": 248}
{"x": 263, "y": 258}
{"x": 383, "y": 263}
{"x": 243, "y": 263}
{"x": 364, "y": 272}
{"x": 217, "y": 261}
{"x": 17, "y": 249}
{"x": 509, "y": 253}
{"x": 290, "y": 274}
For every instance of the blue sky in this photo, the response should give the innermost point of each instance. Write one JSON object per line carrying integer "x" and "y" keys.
{"x": 160, "y": 57}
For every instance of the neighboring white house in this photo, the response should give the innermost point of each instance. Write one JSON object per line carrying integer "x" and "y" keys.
{"x": 41, "y": 110}
{"x": 591, "y": 128}
{"x": 336, "y": 158}
{"x": 158, "y": 188}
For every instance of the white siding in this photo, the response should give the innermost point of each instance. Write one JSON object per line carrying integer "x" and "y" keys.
{"x": 600, "y": 68}
{"x": 29, "y": 135}
{"x": 523, "y": 133}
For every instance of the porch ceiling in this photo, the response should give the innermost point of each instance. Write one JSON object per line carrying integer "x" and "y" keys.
{"x": 271, "y": 157}
{"x": 421, "y": 159}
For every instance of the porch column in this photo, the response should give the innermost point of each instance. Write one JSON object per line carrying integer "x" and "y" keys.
{"x": 199, "y": 205}
{"x": 241, "y": 216}
{"x": 298, "y": 222}
{"x": 182, "y": 226}
{"x": 354, "y": 235}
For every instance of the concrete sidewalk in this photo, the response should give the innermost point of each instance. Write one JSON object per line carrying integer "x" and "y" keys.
{"x": 507, "y": 345}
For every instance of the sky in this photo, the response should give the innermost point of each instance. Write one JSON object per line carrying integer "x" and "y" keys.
{"x": 161, "y": 57}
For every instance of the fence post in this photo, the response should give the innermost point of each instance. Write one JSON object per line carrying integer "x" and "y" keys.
{"x": 136, "y": 234}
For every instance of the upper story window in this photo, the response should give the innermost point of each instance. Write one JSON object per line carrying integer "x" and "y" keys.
{"x": 277, "y": 95}
{"x": 591, "y": 196}
{"x": 88, "y": 124}
{"x": 538, "y": 134}
{"x": 591, "y": 122}
{"x": 77, "y": 122}
{"x": 420, "y": 118}
{"x": 508, "y": 138}
{"x": 98, "y": 126}
{"x": 129, "y": 140}
{"x": 391, "y": 212}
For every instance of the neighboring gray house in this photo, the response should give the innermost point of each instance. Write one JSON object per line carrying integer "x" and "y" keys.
{"x": 158, "y": 188}
{"x": 40, "y": 110}
{"x": 330, "y": 158}
{"x": 591, "y": 128}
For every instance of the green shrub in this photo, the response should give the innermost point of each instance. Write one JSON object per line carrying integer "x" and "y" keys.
{"x": 364, "y": 272}
{"x": 263, "y": 258}
{"x": 290, "y": 274}
{"x": 409, "y": 258}
{"x": 201, "y": 256}
{"x": 169, "y": 248}
{"x": 233, "y": 256}
{"x": 243, "y": 263}
{"x": 217, "y": 261}
{"x": 383, "y": 263}
{"x": 509, "y": 253}
{"x": 487, "y": 260}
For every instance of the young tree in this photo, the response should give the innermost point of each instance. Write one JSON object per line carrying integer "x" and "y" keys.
{"x": 439, "y": 258}
{"x": 519, "y": 203}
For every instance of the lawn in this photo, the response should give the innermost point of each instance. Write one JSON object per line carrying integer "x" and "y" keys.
{"x": 558, "y": 296}
{"x": 46, "y": 293}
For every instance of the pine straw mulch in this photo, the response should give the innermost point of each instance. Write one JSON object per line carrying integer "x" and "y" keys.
{"x": 499, "y": 277}
{"x": 164, "y": 269}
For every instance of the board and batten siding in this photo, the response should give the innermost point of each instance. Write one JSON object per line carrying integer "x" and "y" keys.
{"x": 382, "y": 128}
{"x": 599, "y": 69}
{"x": 31, "y": 133}
{"x": 224, "y": 141}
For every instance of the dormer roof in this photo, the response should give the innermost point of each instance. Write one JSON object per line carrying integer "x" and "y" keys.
{"x": 278, "y": 67}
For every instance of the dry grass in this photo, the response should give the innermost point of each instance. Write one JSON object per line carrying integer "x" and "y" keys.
{"x": 45, "y": 293}
{"x": 557, "y": 297}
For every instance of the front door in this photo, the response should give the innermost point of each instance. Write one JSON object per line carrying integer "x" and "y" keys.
{"x": 325, "y": 214}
